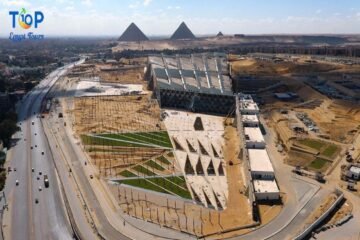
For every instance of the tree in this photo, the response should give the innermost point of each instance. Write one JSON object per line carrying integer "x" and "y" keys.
{"x": 7, "y": 129}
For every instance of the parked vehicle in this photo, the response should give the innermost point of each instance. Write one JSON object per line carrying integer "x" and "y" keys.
{"x": 46, "y": 181}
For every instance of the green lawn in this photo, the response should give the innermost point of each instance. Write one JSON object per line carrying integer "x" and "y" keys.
{"x": 90, "y": 140}
{"x": 144, "y": 170}
{"x": 160, "y": 138}
{"x": 158, "y": 183}
{"x": 168, "y": 185}
{"x": 127, "y": 173}
{"x": 330, "y": 150}
{"x": 178, "y": 180}
{"x": 318, "y": 163}
{"x": 316, "y": 144}
{"x": 154, "y": 165}
{"x": 142, "y": 183}
{"x": 164, "y": 160}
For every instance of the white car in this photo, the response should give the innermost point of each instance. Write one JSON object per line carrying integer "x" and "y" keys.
{"x": 17, "y": 182}
{"x": 40, "y": 188}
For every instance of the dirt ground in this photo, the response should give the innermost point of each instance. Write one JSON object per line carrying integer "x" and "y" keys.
{"x": 321, "y": 209}
{"x": 116, "y": 114}
{"x": 262, "y": 67}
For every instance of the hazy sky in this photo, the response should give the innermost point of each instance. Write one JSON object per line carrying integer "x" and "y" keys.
{"x": 161, "y": 17}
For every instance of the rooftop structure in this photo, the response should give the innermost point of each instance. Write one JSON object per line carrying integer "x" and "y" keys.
{"x": 247, "y": 105}
{"x": 133, "y": 34}
{"x": 260, "y": 164}
{"x": 266, "y": 190}
{"x": 196, "y": 82}
{"x": 250, "y": 120}
{"x": 182, "y": 32}
{"x": 254, "y": 137}
{"x": 355, "y": 169}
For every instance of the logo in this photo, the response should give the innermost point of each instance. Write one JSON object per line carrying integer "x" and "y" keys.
{"x": 26, "y": 20}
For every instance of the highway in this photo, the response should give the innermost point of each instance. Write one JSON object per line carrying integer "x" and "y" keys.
{"x": 46, "y": 219}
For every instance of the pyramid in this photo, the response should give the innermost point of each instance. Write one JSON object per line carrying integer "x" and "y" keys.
{"x": 220, "y": 34}
{"x": 182, "y": 32}
{"x": 133, "y": 34}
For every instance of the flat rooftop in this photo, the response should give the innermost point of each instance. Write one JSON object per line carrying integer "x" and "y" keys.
{"x": 202, "y": 73}
{"x": 355, "y": 169}
{"x": 263, "y": 186}
{"x": 260, "y": 161}
{"x": 250, "y": 118}
{"x": 253, "y": 134}
{"x": 249, "y": 106}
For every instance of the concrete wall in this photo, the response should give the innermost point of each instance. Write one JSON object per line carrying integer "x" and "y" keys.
{"x": 267, "y": 195}
{"x": 263, "y": 175}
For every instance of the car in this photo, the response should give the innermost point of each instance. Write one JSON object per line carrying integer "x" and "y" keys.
{"x": 17, "y": 182}
{"x": 35, "y": 134}
{"x": 38, "y": 178}
{"x": 42, "y": 153}
{"x": 35, "y": 145}
{"x": 32, "y": 170}
{"x": 91, "y": 176}
{"x": 9, "y": 169}
{"x": 31, "y": 147}
{"x": 36, "y": 200}
{"x": 14, "y": 169}
{"x": 40, "y": 173}
{"x": 40, "y": 188}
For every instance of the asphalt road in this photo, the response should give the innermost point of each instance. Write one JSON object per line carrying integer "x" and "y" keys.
{"x": 46, "y": 219}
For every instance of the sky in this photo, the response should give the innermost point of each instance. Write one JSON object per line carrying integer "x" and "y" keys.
{"x": 162, "y": 17}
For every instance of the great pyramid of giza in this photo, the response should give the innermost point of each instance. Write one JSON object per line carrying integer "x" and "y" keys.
{"x": 220, "y": 34}
{"x": 182, "y": 32}
{"x": 133, "y": 34}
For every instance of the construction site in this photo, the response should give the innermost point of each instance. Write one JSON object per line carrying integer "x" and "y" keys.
{"x": 181, "y": 141}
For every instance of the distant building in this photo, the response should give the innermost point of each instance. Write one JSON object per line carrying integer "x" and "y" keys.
{"x": 133, "y": 34}
{"x": 182, "y": 32}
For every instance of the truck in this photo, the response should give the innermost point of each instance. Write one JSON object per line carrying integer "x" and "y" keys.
{"x": 46, "y": 181}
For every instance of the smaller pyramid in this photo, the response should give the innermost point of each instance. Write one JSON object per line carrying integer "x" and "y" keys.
{"x": 220, "y": 34}
{"x": 133, "y": 34}
{"x": 182, "y": 32}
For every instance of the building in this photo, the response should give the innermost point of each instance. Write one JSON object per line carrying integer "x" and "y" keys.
{"x": 260, "y": 164}
{"x": 247, "y": 104}
{"x": 266, "y": 190}
{"x": 254, "y": 138}
{"x": 196, "y": 82}
{"x": 354, "y": 173}
{"x": 250, "y": 120}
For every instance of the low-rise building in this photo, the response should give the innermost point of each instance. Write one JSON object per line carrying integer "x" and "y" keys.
{"x": 354, "y": 173}
{"x": 254, "y": 138}
{"x": 266, "y": 190}
{"x": 250, "y": 120}
{"x": 260, "y": 164}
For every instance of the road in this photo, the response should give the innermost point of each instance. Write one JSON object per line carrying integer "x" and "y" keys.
{"x": 46, "y": 219}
